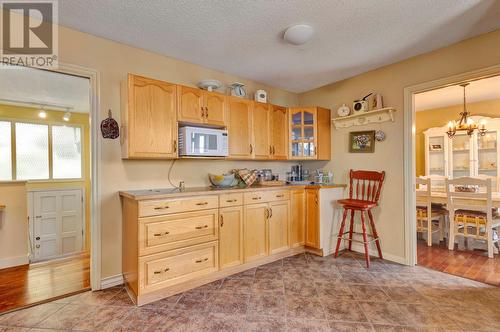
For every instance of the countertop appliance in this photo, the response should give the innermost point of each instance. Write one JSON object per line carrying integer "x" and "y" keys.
{"x": 203, "y": 142}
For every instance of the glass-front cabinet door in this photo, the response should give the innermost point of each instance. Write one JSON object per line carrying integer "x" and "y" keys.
{"x": 303, "y": 128}
{"x": 461, "y": 155}
{"x": 436, "y": 150}
{"x": 487, "y": 156}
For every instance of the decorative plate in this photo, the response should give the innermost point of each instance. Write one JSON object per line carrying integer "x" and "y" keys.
{"x": 210, "y": 84}
{"x": 379, "y": 135}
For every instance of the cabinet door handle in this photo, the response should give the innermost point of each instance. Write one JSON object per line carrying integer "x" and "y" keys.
{"x": 251, "y": 149}
{"x": 206, "y": 112}
{"x": 161, "y": 234}
{"x": 162, "y": 271}
{"x": 270, "y": 212}
{"x": 201, "y": 227}
{"x": 266, "y": 214}
{"x": 161, "y": 207}
{"x": 280, "y": 196}
{"x": 221, "y": 220}
{"x": 202, "y": 111}
{"x": 175, "y": 145}
{"x": 274, "y": 152}
{"x": 202, "y": 203}
{"x": 201, "y": 260}
{"x": 256, "y": 198}
{"x": 270, "y": 149}
{"x": 231, "y": 200}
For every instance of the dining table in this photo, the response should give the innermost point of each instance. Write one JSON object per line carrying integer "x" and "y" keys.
{"x": 440, "y": 197}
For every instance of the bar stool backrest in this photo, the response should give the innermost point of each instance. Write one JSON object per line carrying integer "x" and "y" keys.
{"x": 365, "y": 185}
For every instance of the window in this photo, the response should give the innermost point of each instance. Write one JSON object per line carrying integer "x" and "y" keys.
{"x": 66, "y": 152}
{"x": 5, "y": 151}
{"x": 30, "y": 151}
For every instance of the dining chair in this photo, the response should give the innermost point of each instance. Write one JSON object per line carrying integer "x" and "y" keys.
{"x": 471, "y": 211}
{"x": 425, "y": 220}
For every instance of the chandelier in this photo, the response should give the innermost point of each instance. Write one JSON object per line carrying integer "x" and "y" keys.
{"x": 465, "y": 123}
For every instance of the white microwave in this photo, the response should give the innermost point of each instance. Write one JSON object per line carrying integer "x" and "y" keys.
{"x": 203, "y": 142}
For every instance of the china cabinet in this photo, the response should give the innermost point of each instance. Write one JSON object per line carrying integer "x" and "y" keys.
{"x": 463, "y": 155}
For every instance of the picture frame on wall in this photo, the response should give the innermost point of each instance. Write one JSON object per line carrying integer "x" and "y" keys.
{"x": 362, "y": 141}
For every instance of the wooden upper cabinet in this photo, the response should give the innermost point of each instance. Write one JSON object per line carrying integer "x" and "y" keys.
{"x": 191, "y": 105}
{"x": 310, "y": 133}
{"x": 261, "y": 131}
{"x": 201, "y": 107}
{"x": 149, "y": 119}
{"x": 215, "y": 108}
{"x": 241, "y": 145}
{"x": 279, "y": 132}
{"x": 312, "y": 218}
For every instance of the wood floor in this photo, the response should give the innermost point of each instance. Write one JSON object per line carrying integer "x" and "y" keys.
{"x": 29, "y": 284}
{"x": 469, "y": 264}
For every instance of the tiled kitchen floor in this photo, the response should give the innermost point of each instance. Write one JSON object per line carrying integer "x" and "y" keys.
{"x": 300, "y": 293}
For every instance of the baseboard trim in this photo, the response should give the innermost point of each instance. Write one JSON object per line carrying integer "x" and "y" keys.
{"x": 390, "y": 257}
{"x": 112, "y": 281}
{"x": 14, "y": 261}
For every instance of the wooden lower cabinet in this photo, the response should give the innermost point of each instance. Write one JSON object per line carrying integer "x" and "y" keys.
{"x": 174, "y": 244}
{"x": 297, "y": 218}
{"x": 278, "y": 226}
{"x": 255, "y": 231}
{"x": 312, "y": 218}
{"x": 230, "y": 236}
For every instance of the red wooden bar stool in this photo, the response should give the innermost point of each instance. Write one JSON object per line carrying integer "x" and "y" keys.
{"x": 364, "y": 193}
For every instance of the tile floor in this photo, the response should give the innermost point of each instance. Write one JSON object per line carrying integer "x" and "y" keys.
{"x": 300, "y": 293}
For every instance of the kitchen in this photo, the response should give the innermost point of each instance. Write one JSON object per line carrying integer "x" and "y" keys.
{"x": 170, "y": 252}
{"x": 267, "y": 218}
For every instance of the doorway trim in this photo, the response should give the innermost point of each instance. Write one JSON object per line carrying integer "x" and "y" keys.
{"x": 409, "y": 148}
{"x": 95, "y": 167}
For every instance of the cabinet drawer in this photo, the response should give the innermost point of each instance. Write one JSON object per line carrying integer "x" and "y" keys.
{"x": 167, "y": 206}
{"x": 177, "y": 230}
{"x": 256, "y": 197}
{"x": 279, "y": 195}
{"x": 266, "y": 196}
{"x": 226, "y": 200}
{"x": 176, "y": 266}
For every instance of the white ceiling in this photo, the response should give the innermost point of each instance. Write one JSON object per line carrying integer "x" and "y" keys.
{"x": 24, "y": 86}
{"x": 481, "y": 90}
{"x": 244, "y": 38}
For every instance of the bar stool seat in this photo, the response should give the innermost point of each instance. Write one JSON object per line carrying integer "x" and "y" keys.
{"x": 364, "y": 194}
{"x": 357, "y": 204}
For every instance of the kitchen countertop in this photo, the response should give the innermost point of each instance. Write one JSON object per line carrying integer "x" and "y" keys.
{"x": 195, "y": 191}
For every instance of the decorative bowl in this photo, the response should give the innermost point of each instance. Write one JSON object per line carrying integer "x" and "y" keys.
{"x": 224, "y": 180}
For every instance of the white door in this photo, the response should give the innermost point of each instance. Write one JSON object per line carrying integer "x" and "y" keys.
{"x": 58, "y": 224}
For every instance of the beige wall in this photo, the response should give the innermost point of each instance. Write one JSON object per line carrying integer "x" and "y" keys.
{"x": 390, "y": 81}
{"x": 439, "y": 117}
{"x": 114, "y": 61}
{"x": 13, "y": 220}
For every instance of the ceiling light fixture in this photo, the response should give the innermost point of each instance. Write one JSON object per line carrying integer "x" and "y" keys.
{"x": 465, "y": 123}
{"x": 299, "y": 34}
{"x": 41, "y": 113}
{"x": 67, "y": 116}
